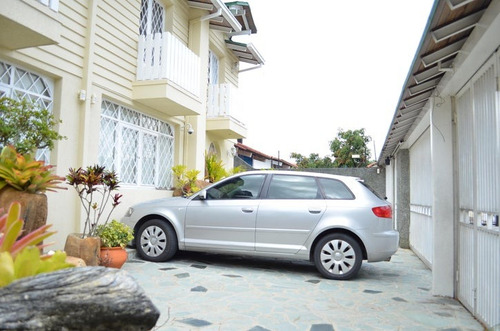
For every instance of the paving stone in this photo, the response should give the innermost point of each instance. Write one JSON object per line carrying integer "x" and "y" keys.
{"x": 198, "y": 289}
{"x": 244, "y": 294}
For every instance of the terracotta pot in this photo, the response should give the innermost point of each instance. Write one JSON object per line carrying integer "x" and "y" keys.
{"x": 33, "y": 207}
{"x": 113, "y": 257}
{"x": 87, "y": 249}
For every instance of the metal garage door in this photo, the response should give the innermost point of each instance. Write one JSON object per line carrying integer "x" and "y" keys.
{"x": 478, "y": 165}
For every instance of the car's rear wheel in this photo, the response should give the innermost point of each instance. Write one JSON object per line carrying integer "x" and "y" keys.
{"x": 156, "y": 241}
{"x": 338, "y": 256}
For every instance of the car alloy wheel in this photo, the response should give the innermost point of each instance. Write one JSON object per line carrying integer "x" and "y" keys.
{"x": 338, "y": 256}
{"x": 156, "y": 241}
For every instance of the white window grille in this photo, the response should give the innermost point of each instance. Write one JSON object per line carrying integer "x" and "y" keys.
{"x": 138, "y": 147}
{"x": 17, "y": 83}
{"x": 152, "y": 18}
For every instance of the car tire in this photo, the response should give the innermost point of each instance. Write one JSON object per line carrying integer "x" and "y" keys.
{"x": 156, "y": 241}
{"x": 338, "y": 256}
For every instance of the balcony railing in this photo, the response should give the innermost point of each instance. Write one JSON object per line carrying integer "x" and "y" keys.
{"x": 219, "y": 100}
{"x": 163, "y": 56}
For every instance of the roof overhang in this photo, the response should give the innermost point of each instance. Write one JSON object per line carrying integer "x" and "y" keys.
{"x": 245, "y": 52}
{"x": 221, "y": 18}
{"x": 448, "y": 27}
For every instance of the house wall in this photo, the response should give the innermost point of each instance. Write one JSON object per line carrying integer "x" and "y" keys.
{"x": 457, "y": 141}
{"x": 98, "y": 54}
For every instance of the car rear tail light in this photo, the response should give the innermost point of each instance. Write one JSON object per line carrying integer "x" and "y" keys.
{"x": 383, "y": 211}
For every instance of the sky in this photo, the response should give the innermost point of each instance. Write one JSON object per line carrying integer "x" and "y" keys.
{"x": 329, "y": 64}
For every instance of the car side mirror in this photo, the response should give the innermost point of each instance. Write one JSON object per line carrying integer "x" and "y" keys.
{"x": 202, "y": 195}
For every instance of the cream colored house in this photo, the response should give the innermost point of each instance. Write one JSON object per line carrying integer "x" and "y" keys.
{"x": 140, "y": 86}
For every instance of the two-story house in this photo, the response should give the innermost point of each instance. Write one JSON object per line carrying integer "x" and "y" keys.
{"x": 139, "y": 85}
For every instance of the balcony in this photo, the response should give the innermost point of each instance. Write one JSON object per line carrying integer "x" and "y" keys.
{"x": 29, "y": 24}
{"x": 168, "y": 76}
{"x": 219, "y": 120}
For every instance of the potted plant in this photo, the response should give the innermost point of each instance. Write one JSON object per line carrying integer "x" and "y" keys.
{"x": 20, "y": 257}
{"x": 114, "y": 237}
{"x": 27, "y": 126}
{"x": 94, "y": 186}
{"x": 26, "y": 180}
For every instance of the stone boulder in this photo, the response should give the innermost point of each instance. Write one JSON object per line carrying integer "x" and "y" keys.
{"x": 86, "y": 298}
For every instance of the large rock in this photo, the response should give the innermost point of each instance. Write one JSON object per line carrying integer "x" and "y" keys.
{"x": 87, "y": 298}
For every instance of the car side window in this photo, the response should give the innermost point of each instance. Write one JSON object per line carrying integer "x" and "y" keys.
{"x": 243, "y": 187}
{"x": 293, "y": 187}
{"x": 335, "y": 189}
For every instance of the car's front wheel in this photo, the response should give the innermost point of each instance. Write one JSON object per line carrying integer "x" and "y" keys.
{"x": 156, "y": 241}
{"x": 338, "y": 256}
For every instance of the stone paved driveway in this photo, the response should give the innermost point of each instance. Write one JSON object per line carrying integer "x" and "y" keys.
{"x": 216, "y": 292}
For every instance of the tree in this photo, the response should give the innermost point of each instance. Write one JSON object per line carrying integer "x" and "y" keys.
{"x": 313, "y": 161}
{"x": 350, "y": 149}
{"x": 26, "y": 127}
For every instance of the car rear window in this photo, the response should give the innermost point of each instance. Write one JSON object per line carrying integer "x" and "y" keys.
{"x": 335, "y": 189}
{"x": 372, "y": 190}
{"x": 293, "y": 187}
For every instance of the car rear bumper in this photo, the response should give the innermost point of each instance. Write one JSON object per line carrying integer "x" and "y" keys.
{"x": 381, "y": 246}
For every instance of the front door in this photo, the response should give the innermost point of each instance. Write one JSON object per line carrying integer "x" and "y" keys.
{"x": 226, "y": 219}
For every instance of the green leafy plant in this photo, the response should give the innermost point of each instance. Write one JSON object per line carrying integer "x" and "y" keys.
{"x": 23, "y": 173}
{"x": 94, "y": 186}
{"x": 26, "y": 126}
{"x": 20, "y": 258}
{"x": 214, "y": 168}
{"x": 185, "y": 180}
{"x": 115, "y": 234}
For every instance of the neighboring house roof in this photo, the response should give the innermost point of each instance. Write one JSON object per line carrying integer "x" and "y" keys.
{"x": 450, "y": 24}
{"x": 255, "y": 154}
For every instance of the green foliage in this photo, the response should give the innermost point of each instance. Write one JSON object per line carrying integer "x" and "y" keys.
{"x": 185, "y": 180}
{"x": 19, "y": 257}
{"x": 25, "y": 126}
{"x": 115, "y": 234}
{"x": 347, "y": 144}
{"x": 24, "y": 173}
{"x": 313, "y": 161}
{"x": 94, "y": 186}
{"x": 214, "y": 168}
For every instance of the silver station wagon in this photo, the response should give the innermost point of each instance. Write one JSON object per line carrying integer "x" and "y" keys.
{"x": 334, "y": 221}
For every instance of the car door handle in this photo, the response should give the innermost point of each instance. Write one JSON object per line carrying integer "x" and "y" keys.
{"x": 247, "y": 209}
{"x": 315, "y": 210}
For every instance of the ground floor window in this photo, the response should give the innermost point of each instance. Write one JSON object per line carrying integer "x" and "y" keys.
{"x": 138, "y": 147}
{"x": 18, "y": 84}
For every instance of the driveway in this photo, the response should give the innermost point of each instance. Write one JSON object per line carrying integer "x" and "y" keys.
{"x": 197, "y": 291}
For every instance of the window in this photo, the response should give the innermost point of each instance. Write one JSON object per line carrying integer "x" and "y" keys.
{"x": 213, "y": 68}
{"x": 138, "y": 147}
{"x": 335, "y": 189}
{"x": 293, "y": 187}
{"x": 19, "y": 84}
{"x": 243, "y": 187}
{"x": 152, "y": 18}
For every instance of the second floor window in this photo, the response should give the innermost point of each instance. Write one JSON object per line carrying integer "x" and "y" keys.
{"x": 152, "y": 17}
